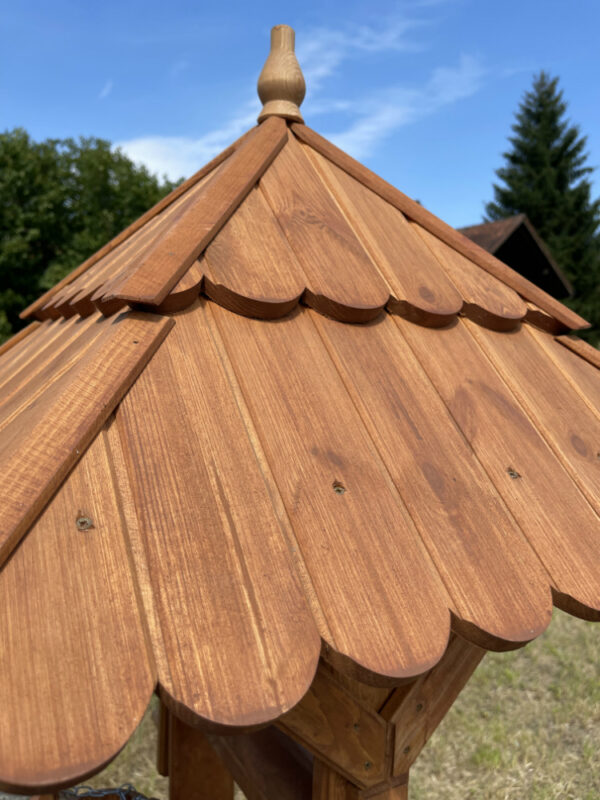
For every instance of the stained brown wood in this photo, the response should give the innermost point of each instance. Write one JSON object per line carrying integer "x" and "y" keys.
{"x": 487, "y": 300}
{"x": 384, "y": 605}
{"x": 394, "y": 789}
{"x": 558, "y": 411}
{"x": 195, "y": 770}
{"x": 339, "y": 730}
{"x": 125, "y": 259}
{"x": 583, "y": 375}
{"x": 131, "y": 229}
{"x": 266, "y": 765}
{"x": 545, "y": 322}
{"x": 250, "y": 267}
{"x": 18, "y": 337}
{"x": 36, "y": 377}
{"x": 236, "y": 641}
{"x": 164, "y": 724}
{"x": 341, "y": 279}
{"x": 330, "y": 785}
{"x": 583, "y": 349}
{"x": 41, "y": 444}
{"x": 186, "y": 290}
{"x": 372, "y": 697}
{"x": 420, "y": 288}
{"x": 75, "y": 671}
{"x": 155, "y": 274}
{"x": 500, "y": 595}
{"x": 450, "y": 236}
{"x": 540, "y": 494}
{"x": 429, "y": 700}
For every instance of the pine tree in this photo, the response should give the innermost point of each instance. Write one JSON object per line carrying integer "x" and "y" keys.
{"x": 546, "y": 177}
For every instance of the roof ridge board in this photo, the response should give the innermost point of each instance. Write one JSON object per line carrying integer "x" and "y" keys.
{"x": 134, "y": 226}
{"x": 582, "y": 348}
{"x": 156, "y": 274}
{"x": 73, "y": 416}
{"x": 80, "y": 296}
{"x": 18, "y": 337}
{"x": 443, "y": 231}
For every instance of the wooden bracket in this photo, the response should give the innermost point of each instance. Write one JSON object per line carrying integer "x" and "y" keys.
{"x": 342, "y": 731}
{"x": 417, "y": 709}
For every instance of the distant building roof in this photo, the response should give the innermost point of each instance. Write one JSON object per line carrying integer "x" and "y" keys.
{"x": 516, "y": 242}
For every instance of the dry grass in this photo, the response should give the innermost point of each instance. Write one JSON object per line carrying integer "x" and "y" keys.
{"x": 526, "y": 726}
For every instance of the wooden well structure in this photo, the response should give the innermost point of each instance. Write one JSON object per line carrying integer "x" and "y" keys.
{"x": 293, "y": 453}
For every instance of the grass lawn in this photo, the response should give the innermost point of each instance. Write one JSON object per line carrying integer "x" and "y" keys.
{"x": 526, "y": 726}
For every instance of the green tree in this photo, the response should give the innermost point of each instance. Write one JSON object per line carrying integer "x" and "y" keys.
{"x": 547, "y": 178}
{"x": 60, "y": 201}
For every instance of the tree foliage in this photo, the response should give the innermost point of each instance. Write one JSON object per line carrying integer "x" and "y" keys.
{"x": 546, "y": 177}
{"x": 60, "y": 201}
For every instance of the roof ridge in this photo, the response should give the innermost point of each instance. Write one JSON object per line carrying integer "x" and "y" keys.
{"x": 157, "y": 272}
{"x": 446, "y": 233}
{"x": 127, "y": 232}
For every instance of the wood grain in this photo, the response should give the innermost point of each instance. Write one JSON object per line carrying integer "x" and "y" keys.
{"x": 330, "y": 785}
{"x": 18, "y": 337}
{"x": 487, "y": 300}
{"x": 450, "y": 236}
{"x": 420, "y": 288}
{"x": 266, "y": 765}
{"x": 340, "y": 731}
{"x": 429, "y": 700}
{"x": 131, "y": 229}
{"x": 156, "y": 273}
{"x": 558, "y": 411}
{"x": 185, "y": 292}
{"x": 250, "y": 267}
{"x": 583, "y": 349}
{"x": 560, "y": 525}
{"x": 500, "y": 595}
{"x": 236, "y": 644}
{"x": 195, "y": 770}
{"x": 583, "y": 375}
{"x": 76, "y": 674}
{"x": 43, "y": 442}
{"x": 384, "y": 604}
{"x": 341, "y": 279}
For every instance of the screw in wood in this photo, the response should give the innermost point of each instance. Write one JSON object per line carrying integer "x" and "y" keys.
{"x": 338, "y": 488}
{"x": 84, "y": 523}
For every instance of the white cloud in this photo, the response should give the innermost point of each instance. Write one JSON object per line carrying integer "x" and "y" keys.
{"x": 106, "y": 90}
{"x": 321, "y": 53}
{"x": 181, "y": 156}
{"x": 395, "y": 107}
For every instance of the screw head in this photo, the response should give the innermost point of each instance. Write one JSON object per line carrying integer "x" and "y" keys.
{"x": 338, "y": 487}
{"x": 84, "y": 523}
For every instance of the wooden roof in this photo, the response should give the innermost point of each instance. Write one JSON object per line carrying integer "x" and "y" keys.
{"x": 211, "y": 477}
{"x": 515, "y": 241}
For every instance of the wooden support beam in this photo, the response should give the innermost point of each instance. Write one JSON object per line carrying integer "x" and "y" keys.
{"x": 341, "y": 731}
{"x": 162, "y": 750}
{"x": 330, "y": 785}
{"x": 266, "y": 765}
{"x": 417, "y": 710}
{"x": 195, "y": 770}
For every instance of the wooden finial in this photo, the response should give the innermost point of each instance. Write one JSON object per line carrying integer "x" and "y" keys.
{"x": 281, "y": 84}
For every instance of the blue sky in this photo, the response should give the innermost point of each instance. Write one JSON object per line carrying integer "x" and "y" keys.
{"x": 422, "y": 91}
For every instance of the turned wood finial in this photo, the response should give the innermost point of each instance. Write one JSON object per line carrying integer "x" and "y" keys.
{"x": 281, "y": 85}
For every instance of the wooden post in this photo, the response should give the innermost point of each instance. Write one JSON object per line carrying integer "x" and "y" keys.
{"x": 195, "y": 770}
